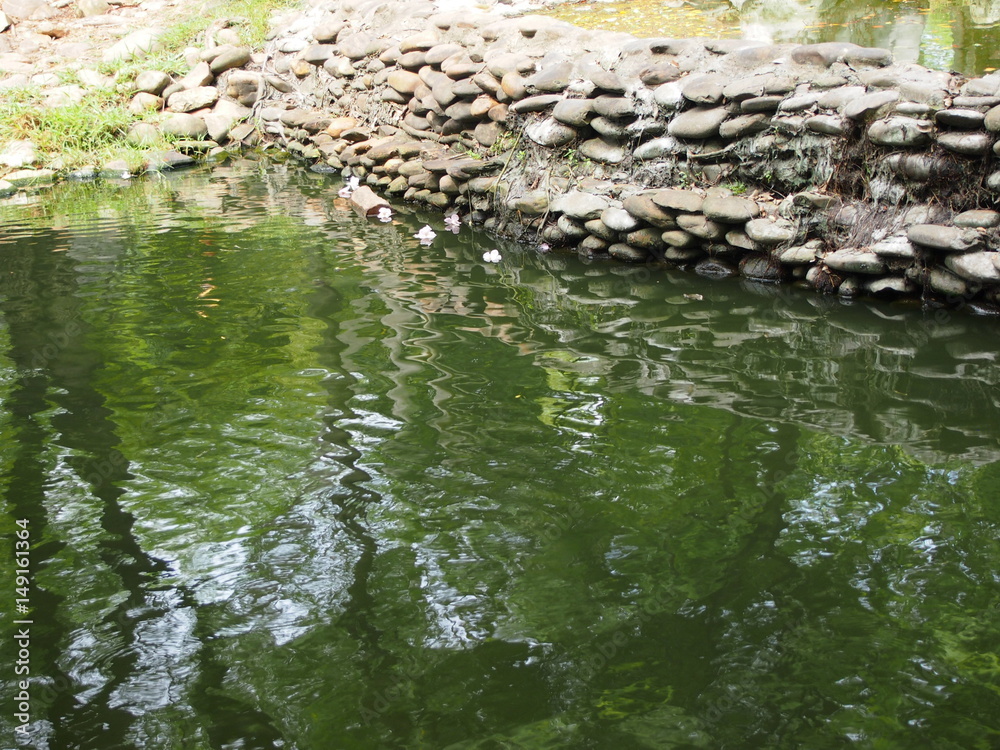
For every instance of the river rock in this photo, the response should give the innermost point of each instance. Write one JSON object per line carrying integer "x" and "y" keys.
{"x": 656, "y": 75}
{"x": 30, "y": 177}
{"x": 949, "y": 239}
{"x": 580, "y": 205}
{"x": 614, "y": 107}
{"x": 193, "y": 99}
{"x": 144, "y": 102}
{"x": 760, "y": 267}
{"x": 184, "y": 126}
{"x": 657, "y": 148}
{"x": 19, "y": 154}
{"x": 603, "y": 151}
{"x": 861, "y": 108}
{"x": 679, "y": 238}
{"x": 823, "y": 53}
{"x": 642, "y": 207}
{"x": 668, "y": 96}
{"x": 532, "y": 203}
{"x": 966, "y": 144}
{"x": 704, "y": 88}
{"x": 979, "y": 267}
{"x": 853, "y": 260}
{"x": 151, "y": 82}
{"x": 900, "y": 132}
{"x": 685, "y": 201}
{"x": 799, "y": 255}
{"x": 538, "y": 103}
{"x": 619, "y": 220}
{"x": 894, "y": 246}
{"x": 730, "y": 209}
{"x": 551, "y": 79}
{"x": 237, "y": 57}
{"x": 985, "y": 218}
{"x": 573, "y": 112}
{"x": 137, "y": 44}
{"x": 743, "y": 125}
{"x": 627, "y": 253}
{"x": 550, "y": 133}
{"x": 698, "y": 123}
{"x": 768, "y": 232}
{"x": 599, "y": 229}
{"x": 700, "y": 226}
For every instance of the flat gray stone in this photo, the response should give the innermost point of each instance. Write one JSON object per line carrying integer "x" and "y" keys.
{"x": 684, "y": 201}
{"x": 759, "y": 267}
{"x": 237, "y": 57}
{"x": 151, "y": 81}
{"x": 730, "y": 209}
{"x": 193, "y": 99}
{"x": 900, "y": 132}
{"x": 668, "y": 96}
{"x": 977, "y": 218}
{"x": 619, "y": 220}
{"x": 614, "y": 107}
{"x": 580, "y": 205}
{"x": 184, "y": 126}
{"x": 979, "y": 267}
{"x": 658, "y": 148}
{"x": 864, "y": 106}
{"x": 642, "y": 207}
{"x": 966, "y": 144}
{"x": 550, "y": 133}
{"x": 603, "y": 151}
{"x": 552, "y": 78}
{"x": 538, "y": 103}
{"x": 700, "y": 226}
{"x": 698, "y": 124}
{"x": 800, "y": 255}
{"x": 822, "y": 53}
{"x": 743, "y": 125}
{"x": 949, "y": 239}
{"x": 852, "y": 260}
{"x": 827, "y": 124}
{"x": 656, "y": 75}
{"x": 574, "y": 112}
{"x": 624, "y": 252}
{"x": 894, "y": 246}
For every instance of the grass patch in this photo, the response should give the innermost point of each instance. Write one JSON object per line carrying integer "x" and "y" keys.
{"x": 91, "y": 131}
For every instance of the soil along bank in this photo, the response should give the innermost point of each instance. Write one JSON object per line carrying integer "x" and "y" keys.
{"x": 826, "y": 163}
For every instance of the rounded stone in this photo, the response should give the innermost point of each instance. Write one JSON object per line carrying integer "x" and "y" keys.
{"x": 603, "y": 151}
{"x": 685, "y": 201}
{"x": 960, "y": 119}
{"x": 705, "y": 88}
{"x": 966, "y": 144}
{"x": 152, "y": 81}
{"x": 900, "y": 132}
{"x": 574, "y": 112}
{"x": 184, "y": 125}
{"x": 698, "y": 124}
{"x": 580, "y": 205}
{"x": 852, "y": 260}
{"x": 730, "y": 209}
{"x": 550, "y": 133}
{"x": 619, "y": 220}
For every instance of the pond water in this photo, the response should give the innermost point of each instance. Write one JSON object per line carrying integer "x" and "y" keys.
{"x": 958, "y": 35}
{"x": 291, "y": 479}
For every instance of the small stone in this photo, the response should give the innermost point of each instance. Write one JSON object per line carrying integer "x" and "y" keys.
{"x": 703, "y": 89}
{"x": 977, "y": 218}
{"x": 144, "y": 102}
{"x": 532, "y": 203}
{"x": 700, "y": 226}
{"x": 895, "y": 246}
{"x": 642, "y": 207}
{"x": 798, "y": 255}
{"x": 668, "y": 96}
{"x": 822, "y": 53}
{"x": 538, "y": 103}
{"x": 656, "y": 75}
{"x": 759, "y": 267}
{"x": 193, "y": 99}
{"x": 961, "y": 119}
{"x": 552, "y": 78}
{"x": 152, "y": 81}
{"x": 573, "y": 112}
{"x": 743, "y": 125}
{"x": 679, "y": 238}
{"x": 627, "y": 253}
{"x": 143, "y": 134}
{"x": 853, "y": 260}
{"x": 658, "y": 148}
{"x": 91, "y": 8}
{"x": 19, "y": 154}
{"x": 827, "y": 124}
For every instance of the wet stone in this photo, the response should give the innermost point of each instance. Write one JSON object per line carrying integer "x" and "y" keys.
{"x": 535, "y": 103}
{"x": 598, "y": 228}
{"x": 852, "y": 260}
{"x": 647, "y": 238}
{"x": 580, "y": 205}
{"x": 701, "y": 226}
{"x": 627, "y": 253}
{"x": 760, "y": 268}
{"x": 714, "y": 268}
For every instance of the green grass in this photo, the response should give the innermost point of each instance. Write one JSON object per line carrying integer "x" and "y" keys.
{"x": 93, "y": 130}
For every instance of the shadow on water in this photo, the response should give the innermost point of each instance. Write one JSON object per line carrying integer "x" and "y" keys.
{"x": 295, "y": 480}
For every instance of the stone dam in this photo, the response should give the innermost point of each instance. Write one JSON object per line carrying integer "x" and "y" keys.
{"x": 826, "y": 165}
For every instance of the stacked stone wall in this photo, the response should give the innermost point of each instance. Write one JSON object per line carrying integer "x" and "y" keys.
{"x": 825, "y": 164}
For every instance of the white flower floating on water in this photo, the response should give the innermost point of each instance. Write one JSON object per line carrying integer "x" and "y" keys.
{"x": 426, "y": 235}
{"x": 453, "y": 222}
{"x": 353, "y": 184}
{"x": 544, "y": 247}
{"x": 384, "y": 214}
{"x": 492, "y": 256}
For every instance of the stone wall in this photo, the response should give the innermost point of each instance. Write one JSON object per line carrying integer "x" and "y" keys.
{"x": 825, "y": 164}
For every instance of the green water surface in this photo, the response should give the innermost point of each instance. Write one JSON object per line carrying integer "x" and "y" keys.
{"x": 293, "y": 480}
